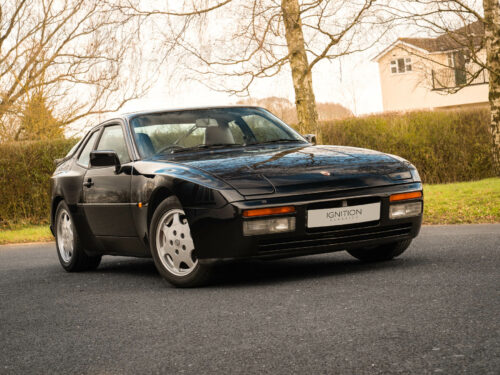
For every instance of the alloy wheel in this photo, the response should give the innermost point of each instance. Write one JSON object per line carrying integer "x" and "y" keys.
{"x": 174, "y": 243}
{"x": 65, "y": 238}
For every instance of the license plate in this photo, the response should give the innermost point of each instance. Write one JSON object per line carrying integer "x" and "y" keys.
{"x": 328, "y": 217}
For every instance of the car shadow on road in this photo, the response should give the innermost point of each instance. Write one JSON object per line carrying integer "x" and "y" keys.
{"x": 302, "y": 268}
{"x": 128, "y": 266}
{"x": 259, "y": 272}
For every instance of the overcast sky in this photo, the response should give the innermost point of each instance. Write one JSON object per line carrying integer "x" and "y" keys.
{"x": 352, "y": 82}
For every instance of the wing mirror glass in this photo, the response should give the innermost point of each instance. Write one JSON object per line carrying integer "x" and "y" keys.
{"x": 104, "y": 158}
{"x": 311, "y": 138}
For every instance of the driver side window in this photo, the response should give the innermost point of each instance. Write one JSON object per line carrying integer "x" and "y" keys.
{"x": 112, "y": 139}
{"x": 264, "y": 130}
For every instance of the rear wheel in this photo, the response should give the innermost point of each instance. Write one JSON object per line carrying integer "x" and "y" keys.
{"x": 172, "y": 246}
{"x": 381, "y": 252}
{"x": 70, "y": 251}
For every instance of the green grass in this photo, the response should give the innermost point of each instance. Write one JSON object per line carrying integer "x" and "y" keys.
{"x": 458, "y": 203}
{"x": 31, "y": 233}
{"x": 463, "y": 202}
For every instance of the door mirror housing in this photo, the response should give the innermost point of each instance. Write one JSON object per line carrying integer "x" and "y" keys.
{"x": 311, "y": 138}
{"x": 105, "y": 158}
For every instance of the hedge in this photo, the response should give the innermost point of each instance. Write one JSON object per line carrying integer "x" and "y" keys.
{"x": 25, "y": 170}
{"x": 445, "y": 146}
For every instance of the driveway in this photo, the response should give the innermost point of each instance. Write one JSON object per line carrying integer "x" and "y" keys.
{"x": 433, "y": 310}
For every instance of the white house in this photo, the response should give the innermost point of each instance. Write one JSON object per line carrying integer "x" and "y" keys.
{"x": 430, "y": 73}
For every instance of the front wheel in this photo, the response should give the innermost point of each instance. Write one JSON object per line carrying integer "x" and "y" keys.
{"x": 70, "y": 251}
{"x": 172, "y": 246}
{"x": 381, "y": 252}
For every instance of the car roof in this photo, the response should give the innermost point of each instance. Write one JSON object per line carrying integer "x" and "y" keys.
{"x": 137, "y": 113}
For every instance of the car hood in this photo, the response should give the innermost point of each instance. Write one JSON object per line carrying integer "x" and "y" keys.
{"x": 296, "y": 169}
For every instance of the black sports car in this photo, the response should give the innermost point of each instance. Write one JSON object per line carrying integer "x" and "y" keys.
{"x": 190, "y": 187}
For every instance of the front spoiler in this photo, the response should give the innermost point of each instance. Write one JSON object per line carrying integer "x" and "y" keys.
{"x": 218, "y": 232}
{"x": 321, "y": 248}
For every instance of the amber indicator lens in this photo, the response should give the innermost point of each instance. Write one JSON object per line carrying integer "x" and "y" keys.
{"x": 403, "y": 196}
{"x": 269, "y": 211}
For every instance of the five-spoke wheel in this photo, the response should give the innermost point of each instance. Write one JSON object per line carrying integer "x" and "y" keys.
{"x": 173, "y": 248}
{"x": 70, "y": 251}
{"x": 65, "y": 239}
{"x": 175, "y": 244}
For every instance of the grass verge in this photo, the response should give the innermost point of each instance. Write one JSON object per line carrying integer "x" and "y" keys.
{"x": 31, "y": 233}
{"x": 463, "y": 202}
{"x": 458, "y": 203}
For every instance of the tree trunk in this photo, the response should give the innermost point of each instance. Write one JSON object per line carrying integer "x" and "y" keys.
{"x": 492, "y": 35}
{"x": 305, "y": 102}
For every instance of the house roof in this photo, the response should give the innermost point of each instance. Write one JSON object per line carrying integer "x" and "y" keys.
{"x": 449, "y": 41}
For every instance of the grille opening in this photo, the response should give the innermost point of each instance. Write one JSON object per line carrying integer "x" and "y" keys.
{"x": 334, "y": 228}
{"x": 338, "y": 237}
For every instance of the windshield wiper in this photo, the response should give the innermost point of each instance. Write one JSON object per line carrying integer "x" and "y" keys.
{"x": 275, "y": 141}
{"x": 205, "y": 147}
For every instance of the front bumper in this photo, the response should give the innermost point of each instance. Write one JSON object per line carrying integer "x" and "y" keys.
{"x": 218, "y": 233}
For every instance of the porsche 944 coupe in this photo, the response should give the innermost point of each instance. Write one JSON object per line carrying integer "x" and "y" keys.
{"x": 192, "y": 187}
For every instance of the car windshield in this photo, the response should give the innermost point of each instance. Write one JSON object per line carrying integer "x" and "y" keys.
{"x": 195, "y": 130}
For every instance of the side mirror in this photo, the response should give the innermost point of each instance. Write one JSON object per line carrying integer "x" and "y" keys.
{"x": 103, "y": 158}
{"x": 311, "y": 138}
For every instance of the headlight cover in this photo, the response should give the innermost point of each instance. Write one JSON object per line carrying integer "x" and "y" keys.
{"x": 400, "y": 175}
{"x": 411, "y": 167}
{"x": 414, "y": 174}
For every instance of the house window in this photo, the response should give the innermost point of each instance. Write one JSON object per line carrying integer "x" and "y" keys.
{"x": 401, "y": 65}
{"x": 457, "y": 61}
{"x": 451, "y": 60}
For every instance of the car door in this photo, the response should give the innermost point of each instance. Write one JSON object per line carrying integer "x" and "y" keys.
{"x": 106, "y": 194}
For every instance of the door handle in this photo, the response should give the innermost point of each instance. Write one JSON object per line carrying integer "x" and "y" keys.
{"x": 89, "y": 183}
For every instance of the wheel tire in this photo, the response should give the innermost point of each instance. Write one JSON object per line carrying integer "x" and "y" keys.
{"x": 380, "y": 253}
{"x": 70, "y": 251}
{"x": 172, "y": 246}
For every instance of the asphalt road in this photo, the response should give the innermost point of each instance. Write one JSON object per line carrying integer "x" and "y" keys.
{"x": 434, "y": 310}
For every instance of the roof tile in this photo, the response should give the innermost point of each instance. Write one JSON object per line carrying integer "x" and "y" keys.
{"x": 467, "y": 36}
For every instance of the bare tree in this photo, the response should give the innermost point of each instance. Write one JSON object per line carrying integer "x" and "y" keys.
{"x": 241, "y": 41}
{"x": 472, "y": 30}
{"x": 492, "y": 35}
{"x": 79, "y": 53}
